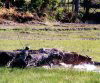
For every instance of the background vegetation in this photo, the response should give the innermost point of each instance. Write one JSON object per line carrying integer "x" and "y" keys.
{"x": 54, "y": 9}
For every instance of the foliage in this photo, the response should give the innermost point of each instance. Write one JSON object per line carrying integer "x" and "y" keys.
{"x": 35, "y": 4}
{"x": 19, "y": 3}
{"x": 53, "y": 8}
{"x": 13, "y": 15}
{"x": 59, "y": 15}
{"x": 1, "y": 4}
{"x": 38, "y": 6}
{"x": 54, "y": 4}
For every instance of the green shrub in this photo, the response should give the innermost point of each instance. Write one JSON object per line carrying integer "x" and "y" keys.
{"x": 35, "y": 4}
{"x": 59, "y": 14}
{"x": 1, "y": 4}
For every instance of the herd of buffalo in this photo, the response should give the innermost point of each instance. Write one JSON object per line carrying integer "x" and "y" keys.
{"x": 26, "y": 58}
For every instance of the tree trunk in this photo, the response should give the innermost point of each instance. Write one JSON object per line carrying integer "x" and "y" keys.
{"x": 87, "y": 6}
{"x": 19, "y": 3}
{"x": 44, "y": 6}
{"x": 73, "y": 6}
{"x": 7, "y": 4}
{"x": 77, "y": 5}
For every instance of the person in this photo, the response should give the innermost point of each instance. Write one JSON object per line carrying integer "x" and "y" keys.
{"x": 24, "y": 53}
{"x": 20, "y": 59}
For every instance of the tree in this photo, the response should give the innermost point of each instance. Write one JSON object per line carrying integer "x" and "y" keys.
{"x": 44, "y": 6}
{"x": 77, "y": 5}
{"x": 35, "y": 4}
{"x": 19, "y": 3}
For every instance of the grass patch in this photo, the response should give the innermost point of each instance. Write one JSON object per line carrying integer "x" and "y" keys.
{"x": 40, "y": 75}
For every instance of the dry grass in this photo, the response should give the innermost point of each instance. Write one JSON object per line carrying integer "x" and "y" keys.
{"x": 17, "y": 16}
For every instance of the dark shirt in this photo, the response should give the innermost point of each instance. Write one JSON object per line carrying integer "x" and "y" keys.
{"x": 23, "y": 54}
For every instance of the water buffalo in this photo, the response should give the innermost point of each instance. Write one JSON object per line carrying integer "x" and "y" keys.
{"x": 21, "y": 59}
{"x": 6, "y": 57}
{"x": 19, "y": 62}
{"x": 34, "y": 56}
{"x": 75, "y": 59}
{"x": 50, "y": 59}
{"x": 45, "y": 56}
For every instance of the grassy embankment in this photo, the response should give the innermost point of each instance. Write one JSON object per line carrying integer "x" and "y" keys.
{"x": 85, "y": 42}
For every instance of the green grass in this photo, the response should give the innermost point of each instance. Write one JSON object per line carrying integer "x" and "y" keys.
{"x": 40, "y": 75}
{"x": 85, "y": 42}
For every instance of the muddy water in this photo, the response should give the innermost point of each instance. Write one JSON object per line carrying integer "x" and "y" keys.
{"x": 88, "y": 67}
{"x": 83, "y": 67}
{"x": 98, "y": 68}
